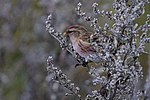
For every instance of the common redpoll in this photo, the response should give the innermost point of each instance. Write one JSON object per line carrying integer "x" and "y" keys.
{"x": 79, "y": 38}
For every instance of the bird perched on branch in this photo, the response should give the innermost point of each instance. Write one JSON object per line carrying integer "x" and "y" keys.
{"x": 79, "y": 37}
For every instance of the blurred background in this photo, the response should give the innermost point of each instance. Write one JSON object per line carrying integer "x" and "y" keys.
{"x": 25, "y": 45}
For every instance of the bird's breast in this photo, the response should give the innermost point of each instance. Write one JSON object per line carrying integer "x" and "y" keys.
{"x": 80, "y": 49}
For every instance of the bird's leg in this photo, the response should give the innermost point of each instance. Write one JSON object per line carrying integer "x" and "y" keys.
{"x": 85, "y": 64}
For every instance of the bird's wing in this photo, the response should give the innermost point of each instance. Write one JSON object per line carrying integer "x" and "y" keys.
{"x": 86, "y": 36}
{"x": 86, "y": 47}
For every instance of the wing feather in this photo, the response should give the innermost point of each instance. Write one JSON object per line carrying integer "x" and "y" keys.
{"x": 86, "y": 47}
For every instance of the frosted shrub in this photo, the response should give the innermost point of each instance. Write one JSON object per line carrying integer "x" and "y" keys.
{"x": 118, "y": 51}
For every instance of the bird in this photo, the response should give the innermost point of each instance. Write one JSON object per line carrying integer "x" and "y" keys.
{"x": 79, "y": 36}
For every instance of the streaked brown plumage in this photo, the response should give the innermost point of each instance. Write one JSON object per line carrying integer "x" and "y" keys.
{"x": 79, "y": 38}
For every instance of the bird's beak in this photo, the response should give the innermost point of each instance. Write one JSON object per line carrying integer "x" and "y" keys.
{"x": 65, "y": 34}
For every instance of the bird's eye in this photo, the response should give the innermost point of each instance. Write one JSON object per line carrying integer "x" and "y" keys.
{"x": 69, "y": 31}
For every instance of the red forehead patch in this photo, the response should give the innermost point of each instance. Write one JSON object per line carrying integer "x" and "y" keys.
{"x": 74, "y": 26}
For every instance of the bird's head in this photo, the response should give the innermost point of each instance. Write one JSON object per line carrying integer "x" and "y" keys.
{"x": 74, "y": 31}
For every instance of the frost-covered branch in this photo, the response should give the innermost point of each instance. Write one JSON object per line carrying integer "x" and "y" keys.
{"x": 62, "y": 40}
{"x": 118, "y": 48}
{"x": 61, "y": 78}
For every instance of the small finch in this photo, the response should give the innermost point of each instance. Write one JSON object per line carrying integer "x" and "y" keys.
{"x": 79, "y": 38}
